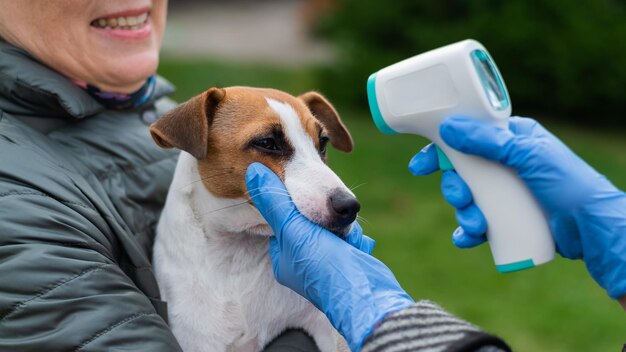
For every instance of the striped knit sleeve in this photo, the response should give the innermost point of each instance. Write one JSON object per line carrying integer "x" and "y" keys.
{"x": 426, "y": 327}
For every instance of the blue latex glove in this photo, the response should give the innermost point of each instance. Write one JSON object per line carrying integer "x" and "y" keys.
{"x": 353, "y": 289}
{"x": 587, "y": 213}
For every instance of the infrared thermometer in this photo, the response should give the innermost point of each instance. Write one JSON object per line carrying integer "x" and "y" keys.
{"x": 415, "y": 95}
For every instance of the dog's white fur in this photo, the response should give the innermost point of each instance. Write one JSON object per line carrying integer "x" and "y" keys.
{"x": 212, "y": 263}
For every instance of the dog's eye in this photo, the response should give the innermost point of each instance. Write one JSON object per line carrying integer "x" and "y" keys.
{"x": 267, "y": 145}
{"x": 323, "y": 142}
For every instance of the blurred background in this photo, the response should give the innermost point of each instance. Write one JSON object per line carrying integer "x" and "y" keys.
{"x": 564, "y": 63}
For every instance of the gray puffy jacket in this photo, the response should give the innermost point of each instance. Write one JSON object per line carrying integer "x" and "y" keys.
{"x": 81, "y": 188}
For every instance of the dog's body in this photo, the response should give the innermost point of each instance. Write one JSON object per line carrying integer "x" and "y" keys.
{"x": 211, "y": 253}
{"x": 220, "y": 289}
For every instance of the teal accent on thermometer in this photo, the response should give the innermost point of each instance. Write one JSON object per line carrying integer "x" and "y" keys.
{"x": 517, "y": 266}
{"x": 444, "y": 162}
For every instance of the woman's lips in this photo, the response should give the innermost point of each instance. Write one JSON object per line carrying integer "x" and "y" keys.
{"x": 129, "y": 25}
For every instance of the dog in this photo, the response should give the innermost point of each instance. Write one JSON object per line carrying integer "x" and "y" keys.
{"x": 211, "y": 252}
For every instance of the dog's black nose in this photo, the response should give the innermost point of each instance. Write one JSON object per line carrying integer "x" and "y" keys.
{"x": 343, "y": 207}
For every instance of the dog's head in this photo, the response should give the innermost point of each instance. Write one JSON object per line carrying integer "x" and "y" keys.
{"x": 227, "y": 129}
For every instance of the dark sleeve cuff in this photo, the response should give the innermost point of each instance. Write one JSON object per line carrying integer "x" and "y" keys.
{"x": 426, "y": 327}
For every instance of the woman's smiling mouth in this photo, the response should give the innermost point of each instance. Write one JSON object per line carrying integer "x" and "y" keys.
{"x": 131, "y": 24}
{"x": 122, "y": 22}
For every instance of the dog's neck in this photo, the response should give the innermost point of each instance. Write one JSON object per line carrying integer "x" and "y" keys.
{"x": 222, "y": 216}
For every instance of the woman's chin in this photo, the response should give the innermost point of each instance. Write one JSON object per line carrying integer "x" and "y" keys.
{"x": 126, "y": 75}
{"x": 123, "y": 61}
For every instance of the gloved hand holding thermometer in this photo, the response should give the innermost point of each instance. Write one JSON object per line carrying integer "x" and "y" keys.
{"x": 415, "y": 95}
{"x": 586, "y": 212}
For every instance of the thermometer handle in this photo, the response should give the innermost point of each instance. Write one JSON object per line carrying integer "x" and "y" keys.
{"x": 517, "y": 230}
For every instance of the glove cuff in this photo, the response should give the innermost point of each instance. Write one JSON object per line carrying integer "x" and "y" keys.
{"x": 602, "y": 228}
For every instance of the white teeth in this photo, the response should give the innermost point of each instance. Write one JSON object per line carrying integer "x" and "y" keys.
{"x": 127, "y": 22}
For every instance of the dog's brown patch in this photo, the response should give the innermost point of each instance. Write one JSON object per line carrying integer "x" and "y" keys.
{"x": 218, "y": 126}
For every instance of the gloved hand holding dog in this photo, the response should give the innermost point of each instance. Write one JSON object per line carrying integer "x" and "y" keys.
{"x": 353, "y": 289}
{"x": 587, "y": 214}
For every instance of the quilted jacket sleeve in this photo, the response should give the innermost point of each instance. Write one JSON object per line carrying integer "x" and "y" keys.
{"x": 61, "y": 287}
{"x": 426, "y": 327}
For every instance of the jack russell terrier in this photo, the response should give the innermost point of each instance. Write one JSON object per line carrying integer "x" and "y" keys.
{"x": 211, "y": 253}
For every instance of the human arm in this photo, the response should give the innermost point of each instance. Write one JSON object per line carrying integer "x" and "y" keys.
{"x": 357, "y": 292}
{"x": 586, "y": 213}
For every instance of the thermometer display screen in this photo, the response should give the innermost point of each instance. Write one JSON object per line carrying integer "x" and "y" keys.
{"x": 490, "y": 80}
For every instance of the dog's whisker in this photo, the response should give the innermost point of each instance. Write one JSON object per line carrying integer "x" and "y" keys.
{"x": 357, "y": 186}
{"x": 268, "y": 187}
{"x": 247, "y": 201}
{"x": 278, "y": 188}
{"x": 362, "y": 219}
{"x": 268, "y": 192}
{"x": 205, "y": 178}
{"x": 278, "y": 206}
{"x": 226, "y": 207}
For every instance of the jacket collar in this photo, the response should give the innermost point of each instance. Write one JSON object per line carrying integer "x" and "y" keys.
{"x": 30, "y": 88}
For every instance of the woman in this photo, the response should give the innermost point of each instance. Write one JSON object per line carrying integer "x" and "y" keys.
{"x": 81, "y": 181}
{"x": 81, "y": 184}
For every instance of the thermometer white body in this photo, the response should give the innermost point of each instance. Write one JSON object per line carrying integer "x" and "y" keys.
{"x": 414, "y": 95}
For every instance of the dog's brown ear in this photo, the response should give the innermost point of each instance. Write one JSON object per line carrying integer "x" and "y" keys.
{"x": 323, "y": 111}
{"x": 186, "y": 127}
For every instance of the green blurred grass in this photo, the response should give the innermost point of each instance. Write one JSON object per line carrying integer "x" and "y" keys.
{"x": 555, "y": 307}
